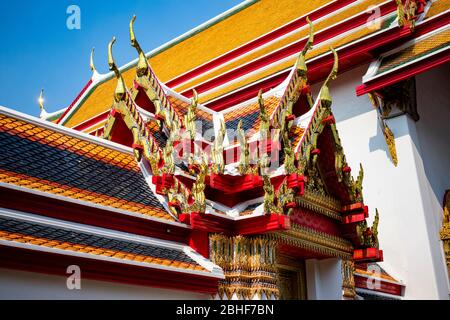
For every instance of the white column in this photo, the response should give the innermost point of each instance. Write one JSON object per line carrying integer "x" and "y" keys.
{"x": 414, "y": 231}
{"x": 324, "y": 279}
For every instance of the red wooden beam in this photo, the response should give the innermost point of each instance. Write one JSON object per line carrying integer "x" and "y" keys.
{"x": 262, "y": 224}
{"x": 69, "y": 211}
{"x": 368, "y": 255}
{"x": 56, "y": 264}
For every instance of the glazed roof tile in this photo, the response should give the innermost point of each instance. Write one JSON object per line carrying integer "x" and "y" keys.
{"x": 249, "y": 114}
{"x": 38, "y": 158}
{"x": 181, "y": 107}
{"x": 159, "y": 135}
{"x": 416, "y": 50}
{"x": 437, "y": 7}
{"x": 30, "y": 232}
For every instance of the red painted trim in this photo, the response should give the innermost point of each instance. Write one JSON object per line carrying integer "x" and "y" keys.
{"x": 91, "y": 122}
{"x": 296, "y": 24}
{"x": 50, "y": 207}
{"x": 352, "y": 207}
{"x": 368, "y": 255}
{"x": 234, "y": 184}
{"x": 86, "y": 86}
{"x": 232, "y": 190}
{"x": 385, "y": 287}
{"x": 56, "y": 264}
{"x": 255, "y": 225}
{"x": 409, "y": 71}
{"x": 354, "y": 217}
{"x": 262, "y": 224}
{"x": 355, "y": 212}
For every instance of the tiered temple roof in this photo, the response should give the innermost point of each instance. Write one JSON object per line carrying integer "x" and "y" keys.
{"x": 272, "y": 173}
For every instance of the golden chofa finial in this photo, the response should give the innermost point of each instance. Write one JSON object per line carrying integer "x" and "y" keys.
{"x": 91, "y": 61}
{"x": 142, "y": 65}
{"x": 41, "y": 100}
{"x": 194, "y": 100}
{"x": 325, "y": 96}
{"x": 300, "y": 64}
{"x": 309, "y": 43}
{"x": 119, "y": 93}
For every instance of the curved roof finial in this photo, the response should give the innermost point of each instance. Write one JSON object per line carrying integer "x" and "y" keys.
{"x": 325, "y": 96}
{"x": 120, "y": 91}
{"x": 194, "y": 100}
{"x": 300, "y": 64}
{"x": 142, "y": 65}
{"x": 309, "y": 43}
{"x": 43, "y": 112}
{"x": 41, "y": 100}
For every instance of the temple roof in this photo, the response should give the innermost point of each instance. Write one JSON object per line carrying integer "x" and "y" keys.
{"x": 37, "y": 233}
{"x": 264, "y": 48}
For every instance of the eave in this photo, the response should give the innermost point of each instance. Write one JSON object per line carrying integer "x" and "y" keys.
{"x": 56, "y": 264}
{"x": 415, "y": 67}
{"x": 27, "y": 200}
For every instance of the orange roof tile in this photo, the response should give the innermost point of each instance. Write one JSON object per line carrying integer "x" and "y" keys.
{"x": 39, "y": 158}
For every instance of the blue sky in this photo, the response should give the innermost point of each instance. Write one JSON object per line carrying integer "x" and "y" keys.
{"x": 39, "y": 51}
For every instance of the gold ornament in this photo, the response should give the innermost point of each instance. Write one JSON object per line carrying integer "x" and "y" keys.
{"x": 218, "y": 165}
{"x": 244, "y": 163}
{"x": 190, "y": 117}
{"x": 445, "y": 231}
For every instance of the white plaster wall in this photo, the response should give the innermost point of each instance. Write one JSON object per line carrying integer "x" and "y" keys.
{"x": 29, "y": 285}
{"x": 398, "y": 192}
{"x": 433, "y": 131}
{"x": 324, "y": 279}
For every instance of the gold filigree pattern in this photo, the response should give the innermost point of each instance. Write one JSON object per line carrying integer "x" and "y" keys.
{"x": 368, "y": 236}
{"x": 249, "y": 265}
{"x": 387, "y": 132}
{"x": 320, "y": 203}
{"x": 445, "y": 231}
{"x": 348, "y": 281}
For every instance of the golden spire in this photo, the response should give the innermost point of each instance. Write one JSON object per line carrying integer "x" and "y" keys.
{"x": 43, "y": 113}
{"x": 309, "y": 43}
{"x": 91, "y": 62}
{"x": 142, "y": 65}
{"x": 41, "y": 100}
{"x": 325, "y": 96}
{"x": 121, "y": 90}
